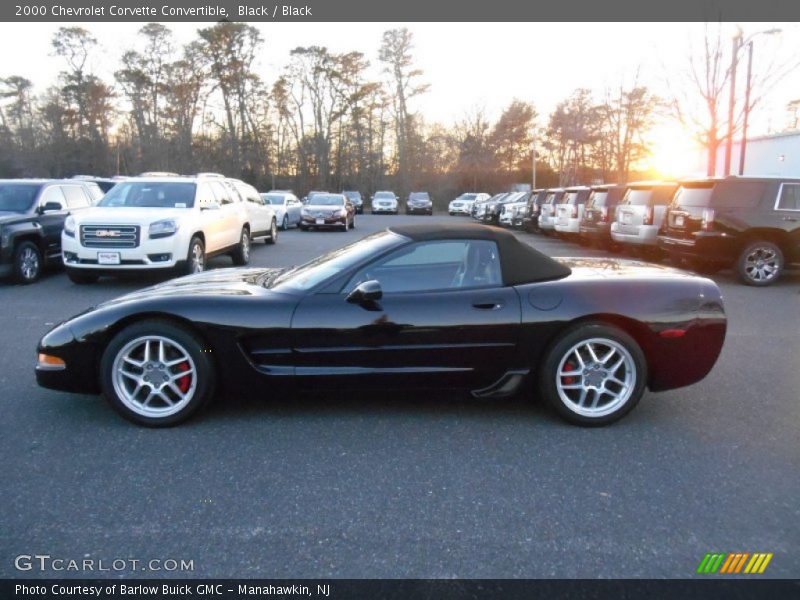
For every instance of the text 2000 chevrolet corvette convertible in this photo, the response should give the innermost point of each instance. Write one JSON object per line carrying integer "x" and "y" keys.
{"x": 420, "y": 306}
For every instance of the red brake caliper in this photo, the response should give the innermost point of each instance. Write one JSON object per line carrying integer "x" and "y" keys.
{"x": 570, "y": 366}
{"x": 185, "y": 381}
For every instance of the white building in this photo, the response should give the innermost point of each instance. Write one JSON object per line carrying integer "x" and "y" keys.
{"x": 776, "y": 155}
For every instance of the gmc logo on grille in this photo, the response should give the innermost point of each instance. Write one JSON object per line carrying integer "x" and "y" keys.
{"x": 106, "y": 233}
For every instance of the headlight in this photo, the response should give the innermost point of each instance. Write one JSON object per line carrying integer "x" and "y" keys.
{"x": 164, "y": 228}
{"x": 69, "y": 226}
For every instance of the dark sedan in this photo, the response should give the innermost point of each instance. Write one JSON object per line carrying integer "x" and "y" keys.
{"x": 419, "y": 203}
{"x": 327, "y": 211}
{"x": 413, "y": 307}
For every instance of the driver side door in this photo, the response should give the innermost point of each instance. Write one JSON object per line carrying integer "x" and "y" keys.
{"x": 433, "y": 327}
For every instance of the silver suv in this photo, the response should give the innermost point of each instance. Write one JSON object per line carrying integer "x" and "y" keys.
{"x": 641, "y": 213}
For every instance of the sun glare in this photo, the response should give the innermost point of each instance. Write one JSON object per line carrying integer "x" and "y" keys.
{"x": 673, "y": 154}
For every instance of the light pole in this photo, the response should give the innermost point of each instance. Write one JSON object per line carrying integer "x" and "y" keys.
{"x": 743, "y": 145}
{"x": 737, "y": 43}
{"x": 533, "y": 164}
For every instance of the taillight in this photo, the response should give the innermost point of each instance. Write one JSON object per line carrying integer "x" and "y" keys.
{"x": 648, "y": 216}
{"x": 708, "y": 219}
{"x": 604, "y": 214}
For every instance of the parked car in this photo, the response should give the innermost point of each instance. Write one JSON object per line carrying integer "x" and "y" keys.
{"x": 163, "y": 223}
{"x": 463, "y": 204}
{"x": 530, "y": 220}
{"x": 104, "y": 183}
{"x": 522, "y": 211}
{"x": 478, "y": 309}
{"x": 595, "y": 225}
{"x": 286, "y": 206}
{"x": 419, "y": 202}
{"x": 641, "y": 213}
{"x": 311, "y": 194}
{"x": 570, "y": 210}
{"x": 479, "y": 206}
{"x": 384, "y": 202}
{"x": 32, "y": 215}
{"x": 328, "y": 211}
{"x": 355, "y": 200}
{"x": 261, "y": 218}
{"x": 506, "y": 209}
{"x": 547, "y": 211}
{"x": 748, "y": 223}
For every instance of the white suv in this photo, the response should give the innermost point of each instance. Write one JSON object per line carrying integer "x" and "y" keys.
{"x": 165, "y": 222}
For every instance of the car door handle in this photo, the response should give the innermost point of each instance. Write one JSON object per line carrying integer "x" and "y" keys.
{"x": 487, "y": 305}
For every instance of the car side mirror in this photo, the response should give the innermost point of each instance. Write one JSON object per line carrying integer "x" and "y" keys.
{"x": 210, "y": 206}
{"x": 365, "y": 293}
{"x": 51, "y": 207}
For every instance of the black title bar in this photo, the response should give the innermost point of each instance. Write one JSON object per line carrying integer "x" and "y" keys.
{"x": 398, "y": 11}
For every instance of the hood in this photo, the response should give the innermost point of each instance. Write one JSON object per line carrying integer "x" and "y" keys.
{"x": 6, "y": 216}
{"x": 323, "y": 207}
{"x": 246, "y": 281}
{"x": 124, "y": 215}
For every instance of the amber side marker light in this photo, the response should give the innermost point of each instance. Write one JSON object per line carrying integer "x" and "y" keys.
{"x": 51, "y": 362}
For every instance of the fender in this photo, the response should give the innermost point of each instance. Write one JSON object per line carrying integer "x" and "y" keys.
{"x": 24, "y": 227}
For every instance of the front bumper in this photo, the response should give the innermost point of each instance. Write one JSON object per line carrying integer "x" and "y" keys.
{"x": 419, "y": 210}
{"x": 161, "y": 253}
{"x": 384, "y": 209}
{"x": 641, "y": 235}
{"x": 307, "y": 222}
{"x": 462, "y": 209}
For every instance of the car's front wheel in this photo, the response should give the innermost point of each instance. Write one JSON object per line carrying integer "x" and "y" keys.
{"x": 157, "y": 374}
{"x": 594, "y": 374}
{"x": 760, "y": 263}
{"x": 285, "y": 222}
{"x": 27, "y": 263}
{"x": 196, "y": 259}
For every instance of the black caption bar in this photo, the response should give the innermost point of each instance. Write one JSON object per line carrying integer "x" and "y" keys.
{"x": 399, "y": 589}
{"x": 404, "y": 11}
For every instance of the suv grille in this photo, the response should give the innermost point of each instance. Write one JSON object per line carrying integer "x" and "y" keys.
{"x": 110, "y": 236}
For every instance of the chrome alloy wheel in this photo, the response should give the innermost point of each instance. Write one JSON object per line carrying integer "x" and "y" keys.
{"x": 198, "y": 261}
{"x": 762, "y": 264}
{"x": 245, "y": 245}
{"x": 596, "y": 377}
{"x": 29, "y": 264}
{"x": 154, "y": 376}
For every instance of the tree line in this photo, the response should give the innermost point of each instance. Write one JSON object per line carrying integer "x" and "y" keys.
{"x": 324, "y": 123}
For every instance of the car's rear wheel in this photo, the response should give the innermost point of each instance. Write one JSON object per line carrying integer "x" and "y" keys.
{"x": 273, "y": 232}
{"x": 760, "y": 263}
{"x": 241, "y": 256}
{"x": 196, "y": 259}
{"x": 79, "y": 278}
{"x": 27, "y": 263}
{"x": 157, "y": 374}
{"x": 594, "y": 374}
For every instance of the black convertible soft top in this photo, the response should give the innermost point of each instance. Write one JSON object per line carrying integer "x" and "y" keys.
{"x": 519, "y": 262}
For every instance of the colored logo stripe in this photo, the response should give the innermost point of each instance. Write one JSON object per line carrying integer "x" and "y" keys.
{"x": 734, "y": 562}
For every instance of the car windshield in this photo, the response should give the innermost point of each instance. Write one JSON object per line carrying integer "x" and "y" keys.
{"x": 326, "y": 200}
{"x": 150, "y": 194}
{"x": 17, "y": 197}
{"x": 698, "y": 196}
{"x": 272, "y": 199}
{"x": 307, "y": 276}
{"x": 638, "y": 197}
{"x": 597, "y": 198}
{"x": 467, "y": 197}
{"x": 384, "y": 196}
{"x": 418, "y": 196}
{"x": 353, "y": 195}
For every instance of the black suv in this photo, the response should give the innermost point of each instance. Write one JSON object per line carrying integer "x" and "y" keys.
{"x": 32, "y": 215}
{"x": 750, "y": 223}
{"x": 599, "y": 212}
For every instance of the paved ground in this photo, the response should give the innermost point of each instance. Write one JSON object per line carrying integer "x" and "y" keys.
{"x": 396, "y": 486}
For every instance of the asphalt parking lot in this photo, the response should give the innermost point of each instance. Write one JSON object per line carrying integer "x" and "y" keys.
{"x": 438, "y": 486}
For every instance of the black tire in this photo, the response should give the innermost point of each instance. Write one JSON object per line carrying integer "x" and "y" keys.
{"x": 241, "y": 256}
{"x": 205, "y": 371}
{"x": 560, "y": 351}
{"x": 753, "y": 261}
{"x": 285, "y": 223}
{"x": 27, "y": 263}
{"x": 272, "y": 238}
{"x": 82, "y": 278}
{"x": 196, "y": 257}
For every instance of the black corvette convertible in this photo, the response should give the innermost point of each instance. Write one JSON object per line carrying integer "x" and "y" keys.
{"x": 422, "y": 306}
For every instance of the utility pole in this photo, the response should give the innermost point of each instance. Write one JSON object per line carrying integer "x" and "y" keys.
{"x": 533, "y": 163}
{"x": 743, "y": 145}
{"x": 735, "y": 45}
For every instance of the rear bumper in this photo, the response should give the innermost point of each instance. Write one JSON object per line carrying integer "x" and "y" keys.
{"x": 548, "y": 223}
{"x": 596, "y": 231}
{"x": 708, "y": 245}
{"x": 642, "y": 235}
{"x": 571, "y": 226}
